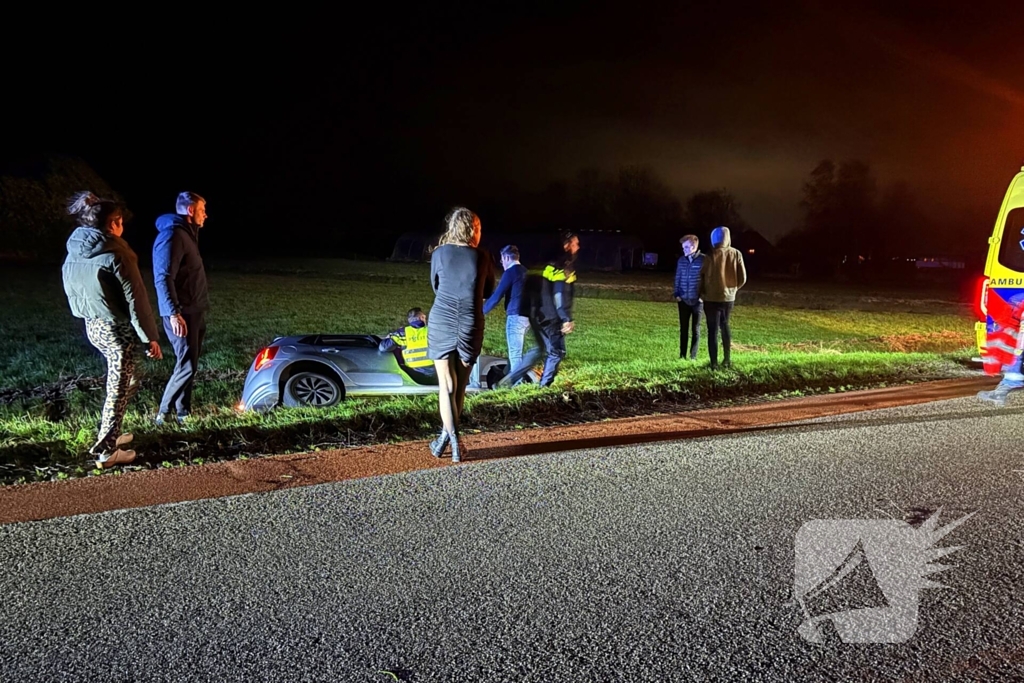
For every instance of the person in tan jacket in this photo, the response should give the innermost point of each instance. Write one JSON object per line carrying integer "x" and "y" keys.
{"x": 721, "y": 276}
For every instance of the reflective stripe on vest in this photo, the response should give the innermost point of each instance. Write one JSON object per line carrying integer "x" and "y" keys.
{"x": 415, "y": 351}
{"x": 558, "y": 275}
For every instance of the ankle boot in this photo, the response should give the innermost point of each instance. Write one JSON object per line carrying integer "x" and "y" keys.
{"x": 440, "y": 444}
{"x": 457, "y": 453}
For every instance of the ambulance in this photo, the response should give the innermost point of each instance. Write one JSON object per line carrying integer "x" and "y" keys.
{"x": 1003, "y": 283}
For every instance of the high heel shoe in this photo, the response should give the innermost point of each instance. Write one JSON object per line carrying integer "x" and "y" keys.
{"x": 438, "y": 445}
{"x": 457, "y": 453}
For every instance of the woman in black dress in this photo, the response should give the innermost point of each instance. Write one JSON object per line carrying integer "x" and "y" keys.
{"x": 462, "y": 277}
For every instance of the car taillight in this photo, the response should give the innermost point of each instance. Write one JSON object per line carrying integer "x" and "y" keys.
{"x": 982, "y": 309}
{"x": 265, "y": 356}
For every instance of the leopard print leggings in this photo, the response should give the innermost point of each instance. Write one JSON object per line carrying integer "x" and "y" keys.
{"x": 116, "y": 341}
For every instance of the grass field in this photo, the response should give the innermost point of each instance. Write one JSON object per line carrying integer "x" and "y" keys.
{"x": 788, "y": 339}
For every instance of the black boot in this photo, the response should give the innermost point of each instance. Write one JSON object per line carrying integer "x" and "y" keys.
{"x": 440, "y": 444}
{"x": 456, "y": 451}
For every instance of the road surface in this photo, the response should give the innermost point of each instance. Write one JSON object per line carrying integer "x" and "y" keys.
{"x": 669, "y": 561}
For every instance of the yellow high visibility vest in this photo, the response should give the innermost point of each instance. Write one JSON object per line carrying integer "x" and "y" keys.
{"x": 553, "y": 274}
{"x": 415, "y": 351}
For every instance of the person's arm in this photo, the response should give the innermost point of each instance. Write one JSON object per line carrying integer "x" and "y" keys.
{"x": 393, "y": 340}
{"x": 741, "y": 271}
{"x": 702, "y": 277}
{"x": 167, "y": 253}
{"x": 167, "y": 256}
{"x": 677, "y": 291}
{"x": 135, "y": 296}
{"x": 503, "y": 286}
{"x": 560, "y": 299}
{"x": 435, "y": 269}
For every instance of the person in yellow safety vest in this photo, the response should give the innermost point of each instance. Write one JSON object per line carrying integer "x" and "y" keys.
{"x": 550, "y": 295}
{"x": 410, "y": 343}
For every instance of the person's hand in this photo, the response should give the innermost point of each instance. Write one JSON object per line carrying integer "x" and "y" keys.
{"x": 154, "y": 351}
{"x": 178, "y": 326}
{"x": 678, "y": 298}
{"x": 568, "y": 327}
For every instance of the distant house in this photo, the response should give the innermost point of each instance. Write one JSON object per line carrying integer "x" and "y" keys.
{"x": 759, "y": 255}
{"x": 599, "y": 250}
{"x": 413, "y": 247}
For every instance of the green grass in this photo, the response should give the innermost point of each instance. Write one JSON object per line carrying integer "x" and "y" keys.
{"x": 621, "y": 360}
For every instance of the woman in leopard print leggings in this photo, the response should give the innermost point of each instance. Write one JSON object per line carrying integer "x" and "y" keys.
{"x": 104, "y": 286}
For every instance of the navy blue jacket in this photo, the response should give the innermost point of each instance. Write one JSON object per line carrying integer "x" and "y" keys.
{"x": 511, "y": 289}
{"x": 178, "y": 272}
{"x": 688, "y": 278}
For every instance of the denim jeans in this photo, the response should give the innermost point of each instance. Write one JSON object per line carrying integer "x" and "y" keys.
{"x": 515, "y": 332}
{"x": 1012, "y": 377}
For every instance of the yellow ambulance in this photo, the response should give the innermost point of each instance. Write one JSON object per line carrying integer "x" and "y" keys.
{"x": 1003, "y": 284}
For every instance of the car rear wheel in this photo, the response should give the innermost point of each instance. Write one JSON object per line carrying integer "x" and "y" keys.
{"x": 312, "y": 389}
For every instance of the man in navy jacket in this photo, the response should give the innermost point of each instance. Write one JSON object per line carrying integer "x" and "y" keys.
{"x": 687, "y": 295}
{"x": 181, "y": 290}
{"x": 510, "y": 288}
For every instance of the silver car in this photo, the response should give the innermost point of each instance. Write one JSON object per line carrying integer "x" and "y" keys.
{"x": 320, "y": 370}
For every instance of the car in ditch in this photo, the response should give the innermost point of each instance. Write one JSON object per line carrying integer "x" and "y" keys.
{"x": 321, "y": 370}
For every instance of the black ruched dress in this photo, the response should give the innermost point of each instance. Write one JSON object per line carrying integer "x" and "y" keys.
{"x": 462, "y": 277}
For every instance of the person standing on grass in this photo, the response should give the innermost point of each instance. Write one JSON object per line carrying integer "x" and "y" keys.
{"x": 510, "y": 287}
{"x": 103, "y": 285}
{"x": 550, "y": 301}
{"x": 461, "y": 276}
{"x": 687, "y": 295}
{"x": 721, "y": 276}
{"x": 1004, "y": 349}
{"x": 180, "y": 279}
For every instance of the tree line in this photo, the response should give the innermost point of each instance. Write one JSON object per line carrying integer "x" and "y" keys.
{"x": 848, "y": 219}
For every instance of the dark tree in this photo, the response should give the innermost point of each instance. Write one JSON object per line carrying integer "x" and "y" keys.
{"x": 33, "y": 197}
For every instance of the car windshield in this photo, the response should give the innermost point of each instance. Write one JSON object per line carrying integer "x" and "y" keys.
{"x": 1011, "y": 250}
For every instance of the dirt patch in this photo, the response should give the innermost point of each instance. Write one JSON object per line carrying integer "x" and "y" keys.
{"x": 95, "y": 494}
{"x": 57, "y": 392}
{"x": 946, "y": 341}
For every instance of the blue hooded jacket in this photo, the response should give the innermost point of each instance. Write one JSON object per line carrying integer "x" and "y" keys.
{"x": 179, "y": 276}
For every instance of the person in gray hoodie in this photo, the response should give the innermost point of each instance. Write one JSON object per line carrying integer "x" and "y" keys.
{"x": 721, "y": 276}
{"x": 104, "y": 286}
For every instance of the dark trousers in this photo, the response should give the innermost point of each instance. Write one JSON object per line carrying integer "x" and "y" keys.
{"x": 689, "y": 325}
{"x": 551, "y": 343}
{"x": 178, "y": 393}
{"x": 718, "y": 317}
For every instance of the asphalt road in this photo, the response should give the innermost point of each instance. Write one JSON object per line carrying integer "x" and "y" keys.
{"x": 665, "y": 562}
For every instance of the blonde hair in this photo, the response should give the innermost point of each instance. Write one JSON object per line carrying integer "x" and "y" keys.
{"x": 462, "y": 226}
{"x": 690, "y": 238}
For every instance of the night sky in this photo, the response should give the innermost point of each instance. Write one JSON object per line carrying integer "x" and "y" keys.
{"x": 295, "y": 124}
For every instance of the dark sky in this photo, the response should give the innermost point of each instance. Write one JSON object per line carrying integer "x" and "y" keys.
{"x": 374, "y": 123}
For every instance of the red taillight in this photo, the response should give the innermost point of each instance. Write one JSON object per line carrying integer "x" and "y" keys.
{"x": 265, "y": 356}
{"x": 981, "y": 309}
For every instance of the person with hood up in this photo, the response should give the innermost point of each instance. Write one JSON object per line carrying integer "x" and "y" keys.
{"x": 180, "y": 279}
{"x": 721, "y": 276}
{"x": 104, "y": 287}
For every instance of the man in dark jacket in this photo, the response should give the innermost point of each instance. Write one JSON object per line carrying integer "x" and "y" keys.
{"x": 510, "y": 288}
{"x": 550, "y": 297}
{"x": 687, "y": 296}
{"x": 180, "y": 279}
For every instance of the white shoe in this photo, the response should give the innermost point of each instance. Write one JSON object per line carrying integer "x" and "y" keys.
{"x": 118, "y": 457}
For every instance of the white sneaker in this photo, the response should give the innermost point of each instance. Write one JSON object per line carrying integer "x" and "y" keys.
{"x": 118, "y": 457}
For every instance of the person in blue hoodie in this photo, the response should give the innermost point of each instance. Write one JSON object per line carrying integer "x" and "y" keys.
{"x": 104, "y": 287}
{"x": 686, "y": 295}
{"x": 183, "y": 298}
